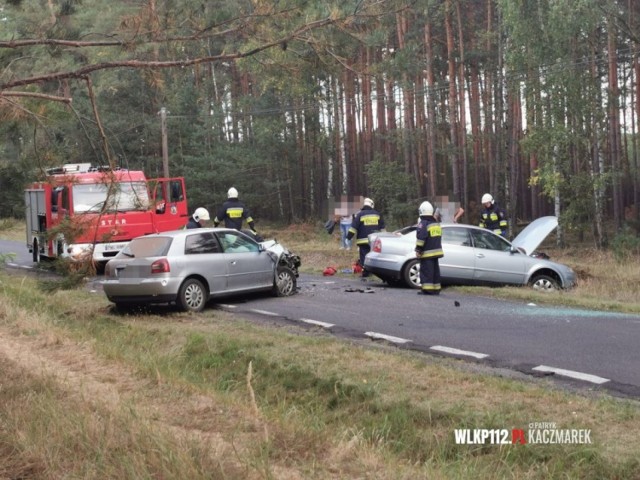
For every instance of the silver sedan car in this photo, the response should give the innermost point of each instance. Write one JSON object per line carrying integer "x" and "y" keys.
{"x": 472, "y": 256}
{"x": 189, "y": 267}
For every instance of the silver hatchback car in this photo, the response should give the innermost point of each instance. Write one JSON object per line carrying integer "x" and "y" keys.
{"x": 189, "y": 267}
{"x": 472, "y": 256}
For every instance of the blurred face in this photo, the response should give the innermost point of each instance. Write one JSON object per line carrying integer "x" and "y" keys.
{"x": 486, "y": 204}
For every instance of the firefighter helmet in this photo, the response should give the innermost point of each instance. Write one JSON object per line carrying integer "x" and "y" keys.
{"x": 368, "y": 202}
{"x": 232, "y": 193}
{"x": 487, "y": 198}
{"x": 425, "y": 209}
{"x": 201, "y": 214}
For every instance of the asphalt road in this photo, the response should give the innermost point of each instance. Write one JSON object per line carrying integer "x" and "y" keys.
{"x": 587, "y": 348}
{"x": 591, "y": 349}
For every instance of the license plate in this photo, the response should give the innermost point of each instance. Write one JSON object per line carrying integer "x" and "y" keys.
{"x": 114, "y": 246}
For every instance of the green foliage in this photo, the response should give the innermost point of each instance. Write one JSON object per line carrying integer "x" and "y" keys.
{"x": 626, "y": 246}
{"x": 392, "y": 190}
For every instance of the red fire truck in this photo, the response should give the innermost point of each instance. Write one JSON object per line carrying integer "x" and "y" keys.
{"x": 81, "y": 211}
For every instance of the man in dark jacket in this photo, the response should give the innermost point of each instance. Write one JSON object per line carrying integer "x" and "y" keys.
{"x": 429, "y": 250}
{"x": 200, "y": 215}
{"x": 366, "y": 221}
{"x": 233, "y": 212}
{"x": 493, "y": 217}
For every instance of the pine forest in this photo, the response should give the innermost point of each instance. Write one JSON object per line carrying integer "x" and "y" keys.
{"x": 296, "y": 102}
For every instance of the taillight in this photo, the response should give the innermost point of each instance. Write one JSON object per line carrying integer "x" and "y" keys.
{"x": 377, "y": 245}
{"x": 160, "y": 266}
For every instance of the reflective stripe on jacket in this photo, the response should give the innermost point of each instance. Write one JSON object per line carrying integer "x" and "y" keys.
{"x": 429, "y": 238}
{"x": 233, "y": 212}
{"x": 494, "y": 218}
{"x": 365, "y": 222}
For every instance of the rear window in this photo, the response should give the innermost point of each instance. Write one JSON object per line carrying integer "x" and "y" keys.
{"x": 146, "y": 247}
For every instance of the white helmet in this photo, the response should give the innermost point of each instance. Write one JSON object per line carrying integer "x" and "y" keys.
{"x": 201, "y": 214}
{"x": 232, "y": 193}
{"x": 425, "y": 209}
{"x": 368, "y": 202}
{"x": 487, "y": 198}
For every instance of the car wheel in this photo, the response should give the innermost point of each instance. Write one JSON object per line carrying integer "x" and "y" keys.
{"x": 124, "y": 307}
{"x": 284, "y": 283}
{"x": 411, "y": 274}
{"x": 192, "y": 296}
{"x": 544, "y": 283}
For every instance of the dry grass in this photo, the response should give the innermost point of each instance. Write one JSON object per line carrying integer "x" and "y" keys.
{"x": 86, "y": 393}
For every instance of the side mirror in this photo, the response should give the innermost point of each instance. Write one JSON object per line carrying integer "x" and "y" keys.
{"x": 514, "y": 249}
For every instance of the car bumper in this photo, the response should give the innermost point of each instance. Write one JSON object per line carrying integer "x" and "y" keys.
{"x": 569, "y": 279}
{"x": 152, "y": 290}
{"x": 384, "y": 266}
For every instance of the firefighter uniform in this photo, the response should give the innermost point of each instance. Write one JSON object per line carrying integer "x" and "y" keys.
{"x": 233, "y": 212}
{"x": 366, "y": 221}
{"x": 428, "y": 251}
{"x": 494, "y": 218}
{"x": 192, "y": 224}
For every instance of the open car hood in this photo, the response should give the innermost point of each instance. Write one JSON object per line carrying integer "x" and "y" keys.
{"x": 534, "y": 234}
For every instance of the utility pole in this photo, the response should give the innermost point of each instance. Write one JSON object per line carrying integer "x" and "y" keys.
{"x": 165, "y": 146}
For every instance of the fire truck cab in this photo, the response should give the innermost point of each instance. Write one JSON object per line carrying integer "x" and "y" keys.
{"x": 80, "y": 211}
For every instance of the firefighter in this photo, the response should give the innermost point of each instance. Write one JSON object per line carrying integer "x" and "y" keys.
{"x": 493, "y": 217}
{"x": 233, "y": 212}
{"x": 429, "y": 250}
{"x": 200, "y": 215}
{"x": 366, "y": 221}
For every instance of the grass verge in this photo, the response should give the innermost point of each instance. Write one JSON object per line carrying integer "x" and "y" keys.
{"x": 281, "y": 404}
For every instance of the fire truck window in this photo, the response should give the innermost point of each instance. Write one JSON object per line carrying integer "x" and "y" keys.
{"x": 128, "y": 196}
{"x": 176, "y": 191}
{"x": 54, "y": 198}
{"x": 65, "y": 198}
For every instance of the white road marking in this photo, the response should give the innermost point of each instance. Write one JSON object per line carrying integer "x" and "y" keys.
{"x": 11, "y": 264}
{"x": 317, "y": 322}
{"x": 455, "y": 351}
{"x": 265, "y": 312}
{"x": 224, "y": 305}
{"x": 571, "y": 374}
{"x": 389, "y": 338}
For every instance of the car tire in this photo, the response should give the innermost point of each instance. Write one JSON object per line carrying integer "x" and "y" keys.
{"x": 124, "y": 307}
{"x": 544, "y": 283}
{"x": 284, "y": 283}
{"x": 411, "y": 274}
{"x": 192, "y": 296}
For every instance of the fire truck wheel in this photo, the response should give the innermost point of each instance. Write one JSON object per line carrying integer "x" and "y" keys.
{"x": 36, "y": 251}
{"x": 192, "y": 296}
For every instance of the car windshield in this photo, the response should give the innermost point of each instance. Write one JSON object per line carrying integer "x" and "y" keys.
{"x": 146, "y": 247}
{"x": 125, "y": 196}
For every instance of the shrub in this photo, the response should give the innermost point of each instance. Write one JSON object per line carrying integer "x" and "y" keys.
{"x": 625, "y": 245}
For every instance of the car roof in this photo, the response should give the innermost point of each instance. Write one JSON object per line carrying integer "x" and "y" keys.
{"x": 188, "y": 231}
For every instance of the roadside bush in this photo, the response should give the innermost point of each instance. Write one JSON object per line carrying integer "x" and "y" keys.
{"x": 625, "y": 245}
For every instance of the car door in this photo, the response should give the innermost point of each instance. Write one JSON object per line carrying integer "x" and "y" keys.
{"x": 203, "y": 256}
{"x": 494, "y": 260}
{"x": 459, "y": 259}
{"x": 248, "y": 266}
